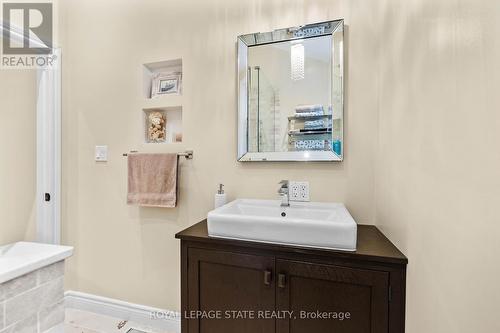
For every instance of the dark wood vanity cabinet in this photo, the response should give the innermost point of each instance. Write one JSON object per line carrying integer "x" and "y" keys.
{"x": 224, "y": 281}
{"x": 249, "y": 287}
{"x": 327, "y": 288}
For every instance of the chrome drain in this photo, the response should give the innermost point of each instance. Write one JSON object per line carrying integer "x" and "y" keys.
{"x": 121, "y": 324}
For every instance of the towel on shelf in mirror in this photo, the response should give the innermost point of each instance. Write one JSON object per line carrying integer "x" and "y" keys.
{"x": 315, "y": 108}
{"x": 309, "y": 144}
{"x": 308, "y": 114}
{"x": 317, "y": 124}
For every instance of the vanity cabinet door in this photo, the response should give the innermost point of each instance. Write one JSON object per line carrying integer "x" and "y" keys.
{"x": 320, "y": 297}
{"x": 232, "y": 284}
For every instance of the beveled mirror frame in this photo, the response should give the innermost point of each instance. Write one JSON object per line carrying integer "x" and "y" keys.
{"x": 276, "y": 36}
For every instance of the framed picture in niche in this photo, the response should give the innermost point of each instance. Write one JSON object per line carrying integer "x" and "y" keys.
{"x": 166, "y": 83}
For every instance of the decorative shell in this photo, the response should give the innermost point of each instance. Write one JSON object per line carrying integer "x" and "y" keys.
{"x": 156, "y": 127}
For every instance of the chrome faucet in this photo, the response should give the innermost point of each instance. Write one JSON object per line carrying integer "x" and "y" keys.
{"x": 284, "y": 193}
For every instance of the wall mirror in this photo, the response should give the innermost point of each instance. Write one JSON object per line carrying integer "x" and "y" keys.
{"x": 291, "y": 88}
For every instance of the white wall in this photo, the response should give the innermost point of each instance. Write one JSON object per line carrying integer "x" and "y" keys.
{"x": 130, "y": 253}
{"x": 18, "y": 162}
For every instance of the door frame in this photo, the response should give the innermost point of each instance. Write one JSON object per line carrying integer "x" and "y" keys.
{"x": 48, "y": 158}
{"x": 48, "y": 144}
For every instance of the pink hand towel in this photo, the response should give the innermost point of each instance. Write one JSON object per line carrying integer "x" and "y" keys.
{"x": 152, "y": 180}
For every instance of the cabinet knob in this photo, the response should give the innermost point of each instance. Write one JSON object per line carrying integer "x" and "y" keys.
{"x": 267, "y": 277}
{"x": 281, "y": 280}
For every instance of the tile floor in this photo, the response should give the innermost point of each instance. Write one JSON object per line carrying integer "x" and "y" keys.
{"x": 78, "y": 321}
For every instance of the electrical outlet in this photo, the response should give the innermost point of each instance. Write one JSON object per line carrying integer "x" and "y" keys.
{"x": 298, "y": 191}
{"x": 304, "y": 191}
{"x": 293, "y": 191}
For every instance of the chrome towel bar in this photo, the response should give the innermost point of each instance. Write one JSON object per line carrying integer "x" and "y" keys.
{"x": 188, "y": 154}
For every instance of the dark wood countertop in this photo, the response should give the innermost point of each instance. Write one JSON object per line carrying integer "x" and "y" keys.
{"x": 372, "y": 245}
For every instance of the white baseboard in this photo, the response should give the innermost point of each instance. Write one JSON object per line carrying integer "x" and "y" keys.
{"x": 148, "y": 316}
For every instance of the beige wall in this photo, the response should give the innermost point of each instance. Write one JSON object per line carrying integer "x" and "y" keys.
{"x": 18, "y": 165}
{"x": 421, "y": 123}
{"x": 130, "y": 253}
{"x": 438, "y": 170}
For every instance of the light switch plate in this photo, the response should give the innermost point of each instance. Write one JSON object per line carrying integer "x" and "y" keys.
{"x": 101, "y": 153}
{"x": 299, "y": 191}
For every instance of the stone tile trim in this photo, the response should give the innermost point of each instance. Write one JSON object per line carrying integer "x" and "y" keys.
{"x": 33, "y": 303}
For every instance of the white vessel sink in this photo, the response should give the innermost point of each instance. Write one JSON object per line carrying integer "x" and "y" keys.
{"x": 309, "y": 224}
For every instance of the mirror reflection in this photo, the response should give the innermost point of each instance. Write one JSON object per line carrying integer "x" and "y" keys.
{"x": 294, "y": 96}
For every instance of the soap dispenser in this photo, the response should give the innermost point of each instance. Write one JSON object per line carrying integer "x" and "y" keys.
{"x": 220, "y": 197}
